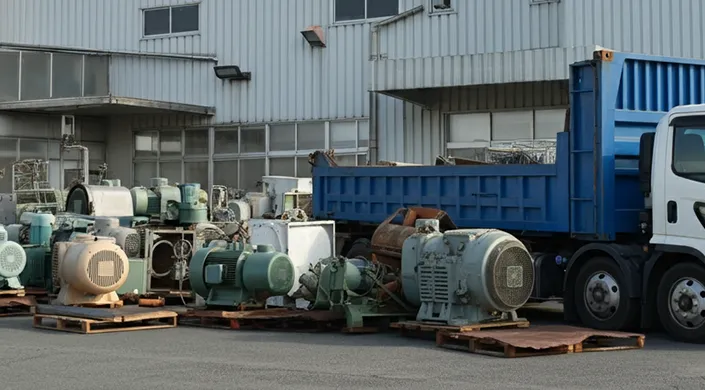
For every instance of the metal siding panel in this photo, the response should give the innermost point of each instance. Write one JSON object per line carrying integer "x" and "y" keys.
{"x": 420, "y": 136}
{"x": 478, "y": 69}
{"x": 291, "y": 81}
{"x": 657, "y": 27}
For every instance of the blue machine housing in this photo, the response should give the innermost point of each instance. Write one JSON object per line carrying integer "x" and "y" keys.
{"x": 591, "y": 192}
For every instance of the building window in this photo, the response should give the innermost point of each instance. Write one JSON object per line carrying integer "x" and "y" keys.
{"x": 349, "y": 10}
{"x": 171, "y": 20}
{"x": 441, "y": 6}
{"x": 241, "y": 155}
{"x": 470, "y": 134}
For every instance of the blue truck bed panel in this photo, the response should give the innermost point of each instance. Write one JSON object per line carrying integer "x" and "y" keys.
{"x": 592, "y": 191}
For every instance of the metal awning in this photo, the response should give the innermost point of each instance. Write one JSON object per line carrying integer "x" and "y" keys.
{"x": 104, "y": 106}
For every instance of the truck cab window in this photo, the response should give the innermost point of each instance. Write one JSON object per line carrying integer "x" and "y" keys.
{"x": 689, "y": 150}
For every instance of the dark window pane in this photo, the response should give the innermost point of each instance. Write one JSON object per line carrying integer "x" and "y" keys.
{"x": 196, "y": 142}
{"x": 10, "y": 80}
{"x": 225, "y": 173}
{"x": 284, "y": 166}
{"x": 184, "y": 19}
{"x": 226, "y": 142}
{"x": 382, "y": 8}
{"x": 95, "y": 76}
{"x": 156, "y": 21}
{"x": 66, "y": 75}
{"x": 35, "y": 75}
{"x": 349, "y": 10}
{"x": 252, "y": 141}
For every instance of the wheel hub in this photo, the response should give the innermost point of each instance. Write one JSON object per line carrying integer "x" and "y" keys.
{"x": 602, "y": 295}
{"x": 687, "y": 304}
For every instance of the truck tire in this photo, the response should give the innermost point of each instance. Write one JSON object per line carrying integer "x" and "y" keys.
{"x": 681, "y": 302}
{"x": 601, "y": 300}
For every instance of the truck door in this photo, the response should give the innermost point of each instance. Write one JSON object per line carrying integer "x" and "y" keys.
{"x": 685, "y": 182}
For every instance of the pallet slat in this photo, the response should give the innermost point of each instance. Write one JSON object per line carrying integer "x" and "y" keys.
{"x": 540, "y": 341}
{"x": 89, "y": 326}
{"x": 265, "y": 319}
{"x": 409, "y": 328}
{"x": 17, "y": 293}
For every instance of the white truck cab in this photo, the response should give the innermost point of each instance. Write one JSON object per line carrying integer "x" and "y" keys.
{"x": 676, "y": 196}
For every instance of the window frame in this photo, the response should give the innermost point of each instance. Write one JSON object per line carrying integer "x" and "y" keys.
{"x": 365, "y": 19}
{"x": 360, "y": 152}
{"x": 677, "y": 123}
{"x": 170, "y": 33}
{"x": 450, "y": 145}
{"x": 433, "y": 11}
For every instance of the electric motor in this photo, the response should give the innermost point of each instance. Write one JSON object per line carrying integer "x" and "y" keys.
{"x": 464, "y": 275}
{"x": 239, "y": 273}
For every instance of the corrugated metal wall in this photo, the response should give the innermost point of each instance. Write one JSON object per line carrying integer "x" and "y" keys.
{"x": 290, "y": 80}
{"x": 477, "y": 26}
{"x": 49, "y": 126}
{"x": 660, "y": 27}
{"x": 414, "y": 134}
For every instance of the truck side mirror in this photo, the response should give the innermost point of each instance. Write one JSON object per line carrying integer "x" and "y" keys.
{"x": 646, "y": 156}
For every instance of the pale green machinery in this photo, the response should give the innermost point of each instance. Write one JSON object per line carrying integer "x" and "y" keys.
{"x": 137, "y": 277}
{"x": 191, "y": 209}
{"x": 364, "y": 291}
{"x": 37, "y": 272}
{"x": 466, "y": 276}
{"x": 12, "y": 262}
{"x": 160, "y": 202}
{"x": 240, "y": 275}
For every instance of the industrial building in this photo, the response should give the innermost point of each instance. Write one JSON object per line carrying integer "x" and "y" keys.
{"x": 226, "y": 91}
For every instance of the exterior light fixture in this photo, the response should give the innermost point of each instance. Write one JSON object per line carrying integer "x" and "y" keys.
{"x": 231, "y": 72}
{"x": 314, "y": 36}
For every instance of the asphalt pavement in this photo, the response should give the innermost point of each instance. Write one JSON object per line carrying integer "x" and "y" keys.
{"x": 194, "y": 358}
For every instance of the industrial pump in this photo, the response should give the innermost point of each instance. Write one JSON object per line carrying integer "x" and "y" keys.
{"x": 240, "y": 275}
{"x": 126, "y": 238}
{"x": 12, "y": 261}
{"x": 37, "y": 272}
{"x": 160, "y": 201}
{"x": 356, "y": 287}
{"x": 466, "y": 276}
{"x": 90, "y": 270}
{"x": 163, "y": 203}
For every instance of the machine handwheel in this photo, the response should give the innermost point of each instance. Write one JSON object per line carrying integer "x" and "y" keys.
{"x": 601, "y": 300}
{"x": 182, "y": 249}
{"x": 681, "y": 302}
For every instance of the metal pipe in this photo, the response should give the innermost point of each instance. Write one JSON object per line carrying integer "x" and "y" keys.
{"x": 60, "y": 49}
{"x": 86, "y": 161}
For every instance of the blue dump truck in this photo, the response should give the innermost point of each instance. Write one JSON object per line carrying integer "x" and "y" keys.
{"x": 616, "y": 226}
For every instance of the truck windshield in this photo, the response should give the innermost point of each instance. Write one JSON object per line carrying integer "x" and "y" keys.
{"x": 689, "y": 151}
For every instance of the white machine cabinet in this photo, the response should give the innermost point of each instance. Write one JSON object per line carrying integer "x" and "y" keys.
{"x": 306, "y": 243}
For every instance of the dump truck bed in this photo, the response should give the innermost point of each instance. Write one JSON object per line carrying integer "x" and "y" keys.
{"x": 592, "y": 190}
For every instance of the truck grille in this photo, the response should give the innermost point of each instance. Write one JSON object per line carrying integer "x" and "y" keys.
{"x": 434, "y": 283}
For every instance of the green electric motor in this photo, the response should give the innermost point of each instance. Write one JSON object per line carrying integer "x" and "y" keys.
{"x": 191, "y": 209}
{"x": 240, "y": 275}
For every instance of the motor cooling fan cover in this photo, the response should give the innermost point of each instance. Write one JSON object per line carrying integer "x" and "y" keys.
{"x": 12, "y": 259}
{"x": 96, "y": 267}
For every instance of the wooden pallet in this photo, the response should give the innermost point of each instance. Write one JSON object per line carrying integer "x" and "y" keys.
{"x": 113, "y": 305}
{"x": 264, "y": 319}
{"x": 16, "y": 293}
{"x": 96, "y": 320}
{"x": 18, "y": 305}
{"x": 416, "y": 328}
{"x": 549, "y": 340}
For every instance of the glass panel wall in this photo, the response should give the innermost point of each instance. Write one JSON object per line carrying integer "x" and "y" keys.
{"x": 239, "y": 156}
{"x": 33, "y": 75}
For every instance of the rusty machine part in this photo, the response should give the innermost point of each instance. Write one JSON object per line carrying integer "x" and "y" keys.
{"x": 388, "y": 239}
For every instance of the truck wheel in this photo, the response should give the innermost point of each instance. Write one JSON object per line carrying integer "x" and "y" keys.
{"x": 601, "y": 300}
{"x": 681, "y": 302}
